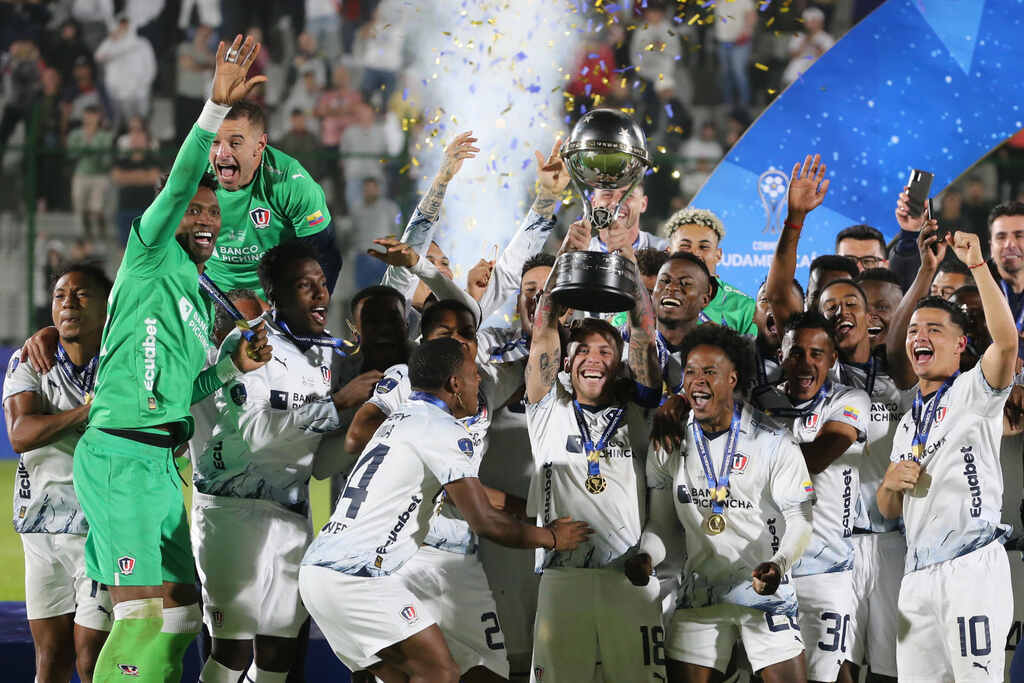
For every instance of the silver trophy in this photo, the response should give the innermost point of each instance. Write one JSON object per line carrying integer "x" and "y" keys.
{"x": 605, "y": 151}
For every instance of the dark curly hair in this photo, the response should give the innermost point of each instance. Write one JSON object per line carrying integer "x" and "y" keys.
{"x": 432, "y": 314}
{"x": 649, "y": 261}
{"x": 540, "y": 260}
{"x": 735, "y": 346}
{"x": 276, "y": 259}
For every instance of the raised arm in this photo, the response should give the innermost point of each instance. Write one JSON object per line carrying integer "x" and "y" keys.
{"x": 545, "y": 349}
{"x": 643, "y": 343}
{"x": 1000, "y": 359}
{"x": 931, "y": 251}
{"x": 807, "y": 188}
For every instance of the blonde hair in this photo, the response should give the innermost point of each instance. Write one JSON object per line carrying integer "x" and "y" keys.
{"x": 693, "y": 216}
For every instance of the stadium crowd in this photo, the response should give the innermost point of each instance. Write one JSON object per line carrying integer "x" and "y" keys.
{"x": 813, "y": 472}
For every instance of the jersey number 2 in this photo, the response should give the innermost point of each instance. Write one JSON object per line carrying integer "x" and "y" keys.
{"x": 357, "y": 493}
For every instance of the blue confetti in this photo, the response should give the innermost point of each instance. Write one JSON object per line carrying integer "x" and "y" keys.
{"x": 613, "y": 8}
{"x": 624, "y": 69}
{"x": 520, "y": 56}
{"x": 398, "y": 218}
{"x": 668, "y": 110}
{"x": 405, "y": 94}
{"x": 536, "y": 88}
{"x": 586, "y": 89}
{"x": 593, "y": 55}
{"x": 472, "y": 88}
{"x": 584, "y": 71}
{"x": 526, "y": 162}
{"x": 514, "y": 143}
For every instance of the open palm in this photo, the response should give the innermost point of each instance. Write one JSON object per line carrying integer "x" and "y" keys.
{"x": 232, "y": 64}
{"x": 807, "y": 185}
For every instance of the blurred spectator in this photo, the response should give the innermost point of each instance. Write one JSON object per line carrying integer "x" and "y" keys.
{"x": 654, "y": 47}
{"x": 84, "y": 92}
{"x": 705, "y": 145}
{"x": 307, "y": 59}
{"x": 49, "y": 115}
{"x": 129, "y": 67}
{"x": 22, "y": 21}
{"x": 135, "y": 174}
{"x": 195, "y": 73}
{"x": 208, "y": 12}
{"x": 299, "y": 141}
{"x": 335, "y": 110}
{"x": 305, "y": 94}
{"x": 364, "y": 143}
{"x": 136, "y": 124}
{"x": 694, "y": 178}
{"x": 91, "y": 146}
{"x": 735, "y": 125}
{"x": 373, "y": 216}
{"x": 805, "y": 48}
{"x": 323, "y": 22}
{"x": 93, "y": 16}
{"x": 379, "y": 47}
{"x": 734, "y": 30}
{"x": 259, "y": 67}
{"x": 592, "y": 73}
{"x": 21, "y": 67}
{"x": 64, "y": 49}
{"x": 976, "y": 208}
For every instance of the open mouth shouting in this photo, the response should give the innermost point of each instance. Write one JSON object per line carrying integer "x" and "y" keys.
{"x": 670, "y": 302}
{"x": 844, "y": 328}
{"x": 203, "y": 238}
{"x": 771, "y": 325}
{"x": 227, "y": 172}
{"x": 923, "y": 354}
{"x": 700, "y": 400}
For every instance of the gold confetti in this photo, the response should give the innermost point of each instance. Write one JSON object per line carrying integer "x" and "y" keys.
{"x": 760, "y": 66}
{"x": 676, "y": 174}
{"x": 661, "y": 149}
{"x": 693, "y": 19}
{"x": 771, "y": 91}
{"x": 415, "y": 162}
{"x": 403, "y": 170}
{"x": 771, "y": 20}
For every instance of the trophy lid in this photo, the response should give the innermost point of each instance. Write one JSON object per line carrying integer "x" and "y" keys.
{"x": 606, "y": 149}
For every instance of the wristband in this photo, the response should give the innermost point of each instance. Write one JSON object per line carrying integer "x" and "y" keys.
{"x": 790, "y": 224}
{"x": 212, "y": 116}
{"x": 979, "y": 265}
{"x": 226, "y": 370}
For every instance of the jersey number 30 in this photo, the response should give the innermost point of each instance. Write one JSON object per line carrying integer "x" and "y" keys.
{"x": 357, "y": 493}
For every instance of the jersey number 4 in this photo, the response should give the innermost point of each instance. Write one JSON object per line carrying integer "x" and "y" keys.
{"x": 357, "y": 493}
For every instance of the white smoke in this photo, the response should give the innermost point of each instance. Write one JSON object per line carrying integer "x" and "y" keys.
{"x": 498, "y": 69}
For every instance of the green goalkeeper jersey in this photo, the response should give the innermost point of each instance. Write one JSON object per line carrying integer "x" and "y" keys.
{"x": 731, "y": 308}
{"x": 281, "y": 203}
{"x": 158, "y": 321}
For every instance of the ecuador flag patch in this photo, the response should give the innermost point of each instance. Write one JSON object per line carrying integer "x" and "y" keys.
{"x": 315, "y": 218}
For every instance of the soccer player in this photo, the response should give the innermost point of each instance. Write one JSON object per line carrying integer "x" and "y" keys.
{"x": 825, "y": 269}
{"x": 648, "y": 262}
{"x": 769, "y": 336}
{"x": 884, "y": 290}
{"x": 266, "y": 197}
{"x": 69, "y": 615}
{"x": 627, "y": 220}
{"x": 348, "y": 579}
{"x": 829, "y": 421}
{"x": 589, "y": 442}
{"x": 153, "y": 349}
{"x": 251, "y": 502}
{"x": 741, "y": 492}
{"x": 951, "y": 276}
{"x": 701, "y": 232}
{"x": 955, "y": 601}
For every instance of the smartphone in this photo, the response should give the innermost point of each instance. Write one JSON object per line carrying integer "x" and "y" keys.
{"x": 918, "y": 189}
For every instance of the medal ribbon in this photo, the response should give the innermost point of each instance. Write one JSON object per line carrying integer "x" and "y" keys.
{"x": 82, "y": 378}
{"x": 869, "y": 380}
{"x": 805, "y": 411}
{"x": 924, "y": 420}
{"x": 593, "y": 450}
{"x": 1019, "y": 318}
{"x": 719, "y": 486}
{"x": 311, "y": 340}
{"x": 429, "y": 398}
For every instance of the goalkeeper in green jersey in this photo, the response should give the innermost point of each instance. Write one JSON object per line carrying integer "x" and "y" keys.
{"x": 152, "y": 351}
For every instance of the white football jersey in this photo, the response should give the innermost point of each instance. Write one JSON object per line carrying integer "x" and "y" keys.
{"x": 270, "y": 423}
{"x": 204, "y": 416}
{"x": 767, "y": 475}
{"x": 448, "y": 530}
{"x": 888, "y": 404}
{"x": 558, "y": 489}
{"x": 955, "y": 507}
{"x": 838, "y": 487}
{"x": 44, "y": 495}
{"x": 383, "y": 513}
{"x": 644, "y": 240}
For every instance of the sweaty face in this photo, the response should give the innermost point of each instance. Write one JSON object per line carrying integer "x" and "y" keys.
{"x": 455, "y": 324}
{"x": 709, "y": 379}
{"x": 469, "y": 387}
{"x": 883, "y": 298}
{"x": 934, "y": 344}
{"x": 380, "y": 320}
{"x": 199, "y": 227}
{"x": 845, "y": 306}
{"x": 302, "y": 297}
{"x": 945, "y": 283}
{"x": 630, "y": 209}
{"x": 593, "y": 367}
{"x": 699, "y": 240}
{"x": 1007, "y": 243}
{"x": 79, "y": 307}
{"x": 237, "y": 152}
{"x": 807, "y": 356}
{"x": 681, "y": 291}
{"x": 529, "y": 288}
{"x": 866, "y": 253}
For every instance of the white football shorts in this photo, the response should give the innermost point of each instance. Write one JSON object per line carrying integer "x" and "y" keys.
{"x": 56, "y": 584}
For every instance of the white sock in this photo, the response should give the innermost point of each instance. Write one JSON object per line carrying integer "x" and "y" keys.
{"x": 186, "y": 619}
{"x": 146, "y": 608}
{"x": 257, "y": 675}
{"x": 215, "y": 672}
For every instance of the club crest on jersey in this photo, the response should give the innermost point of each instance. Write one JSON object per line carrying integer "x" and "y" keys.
{"x": 466, "y": 446}
{"x": 811, "y": 421}
{"x": 128, "y": 669}
{"x": 260, "y": 217}
{"x": 385, "y": 385}
{"x": 940, "y": 414}
{"x": 218, "y": 618}
{"x": 126, "y": 564}
{"x": 238, "y": 394}
{"x": 739, "y": 462}
{"x": 325, "y": 372}
{"x": 409, "y": 614}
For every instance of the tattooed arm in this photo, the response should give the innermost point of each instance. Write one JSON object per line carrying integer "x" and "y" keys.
{"x": 545, "y": 350}
{"x": 643, "y": 337}
{"x": 460, "y": 149}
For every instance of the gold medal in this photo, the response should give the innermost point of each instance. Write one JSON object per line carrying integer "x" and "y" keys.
{"x": 714, "y": 525}
{"x": 721, "y": 493}
{"x": 596, "y": 483}
{"x": 918, "y": 451}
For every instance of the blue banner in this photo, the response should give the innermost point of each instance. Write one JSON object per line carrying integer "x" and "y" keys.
{"x": 926, "y": 84}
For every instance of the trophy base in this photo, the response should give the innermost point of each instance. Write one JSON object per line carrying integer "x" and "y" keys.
{"x": 595, "y": 281}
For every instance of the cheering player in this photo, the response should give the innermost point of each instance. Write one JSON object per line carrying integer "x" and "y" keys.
{"x": 153, "y": 349}
{"x": 738, "y": 481}
{"x": 955, "y": 603}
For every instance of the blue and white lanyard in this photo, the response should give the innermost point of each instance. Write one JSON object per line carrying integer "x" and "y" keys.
{"x": 82, "y": 378}
{"x": 719, "y": 486}
{"x": 593, "y": 450}
{"x": 924, "y": 419}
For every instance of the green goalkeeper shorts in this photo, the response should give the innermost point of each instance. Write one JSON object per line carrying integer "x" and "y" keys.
{"x": 131, "y": 495}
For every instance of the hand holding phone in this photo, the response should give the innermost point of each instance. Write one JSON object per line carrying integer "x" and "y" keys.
{"x": 918, "y": 190}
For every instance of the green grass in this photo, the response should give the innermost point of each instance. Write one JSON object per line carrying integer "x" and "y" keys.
{"x": 12, "y": 579}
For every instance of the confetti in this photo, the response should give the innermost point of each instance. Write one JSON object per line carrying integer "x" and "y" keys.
{"x": 759, "y": 65}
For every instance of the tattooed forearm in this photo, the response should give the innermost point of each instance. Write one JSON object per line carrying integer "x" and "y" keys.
{"x": 545, "y": 205}
{"x": 643, "y": 350}
{"x": 545, "y": 351}
{"x": 430, "y": 204}
{"x": 548, "y": 368}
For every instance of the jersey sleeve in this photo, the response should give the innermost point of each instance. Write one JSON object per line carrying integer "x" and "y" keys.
{"x": 418, "y": 233}
{"x": 745, "y": 324}
{"x": 451, "y": 456}
{"x": 790, "y": 482}
{"x": 392, "y": 390}
{"x": 21, "y": 377}
{"x": 972, "y": 390}
{"x": 662, "y": 467}
{"x": 304, "y": 204}
{"x": 853, "y": 408}
{"x": 541, "y": 415}
{"x": 528, "y": 241}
